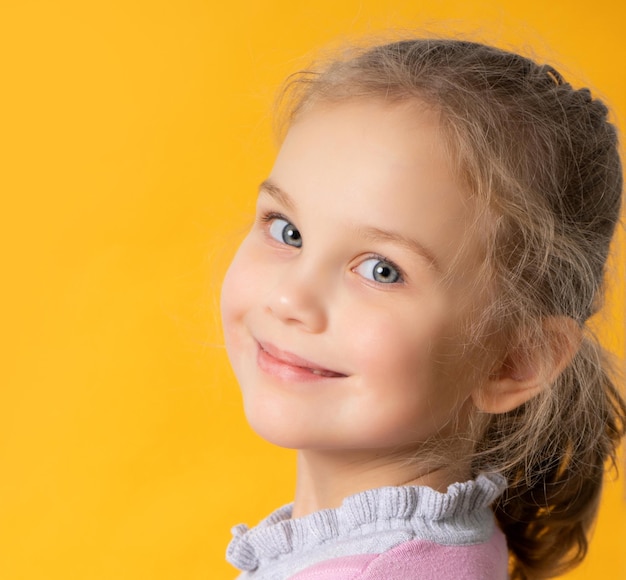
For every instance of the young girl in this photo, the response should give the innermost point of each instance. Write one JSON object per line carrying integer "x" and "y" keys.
{"x": 409, "y": 312}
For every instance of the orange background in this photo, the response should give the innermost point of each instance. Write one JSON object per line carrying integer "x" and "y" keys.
{"x": 134, "y": 134}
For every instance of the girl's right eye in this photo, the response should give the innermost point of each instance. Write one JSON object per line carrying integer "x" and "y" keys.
{"x": 285, "y": 232}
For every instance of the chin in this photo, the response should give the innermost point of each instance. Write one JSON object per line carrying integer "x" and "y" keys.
{"x": 276, "y": 429}
{"x": 293, "y": 434}
{"x": 280, "y": 438}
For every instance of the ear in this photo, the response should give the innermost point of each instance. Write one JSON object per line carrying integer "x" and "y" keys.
{"x": 526, "y": 370}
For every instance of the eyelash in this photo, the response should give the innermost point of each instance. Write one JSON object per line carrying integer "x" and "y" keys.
{"x": 270, "y": 216}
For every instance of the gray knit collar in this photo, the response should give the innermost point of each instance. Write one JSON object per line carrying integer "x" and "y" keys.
{"x": 461, "y": 515}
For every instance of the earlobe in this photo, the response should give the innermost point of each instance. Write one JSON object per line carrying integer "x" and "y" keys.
{"x": 526, "y": 369}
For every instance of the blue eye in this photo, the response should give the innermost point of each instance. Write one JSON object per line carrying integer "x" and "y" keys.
{"x": 285, "y": 232}
{"x": 379, "y": 270}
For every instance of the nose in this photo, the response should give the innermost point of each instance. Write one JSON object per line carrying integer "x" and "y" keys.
{"x": 300, "y": 299}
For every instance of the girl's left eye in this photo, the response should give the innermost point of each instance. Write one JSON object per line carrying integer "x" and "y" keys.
{"x": 285, "y": 232}
{"x": 379, "y": 270}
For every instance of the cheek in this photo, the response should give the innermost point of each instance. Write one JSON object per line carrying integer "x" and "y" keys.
{"x": 230, "y": 298}
{"x": 395, "y": 342}
{"x": 237, "y": 295}
{"x": 382, "y": 351}
{"x": 399, "y": 359}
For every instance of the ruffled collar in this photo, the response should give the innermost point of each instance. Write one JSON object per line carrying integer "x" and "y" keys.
{"x": 462, "y": 513}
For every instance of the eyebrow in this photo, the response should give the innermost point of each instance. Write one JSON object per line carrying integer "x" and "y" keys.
{"x": 377, "y": 234}
{"x": 372, "y": 233}
{"x": 277, "y": 193}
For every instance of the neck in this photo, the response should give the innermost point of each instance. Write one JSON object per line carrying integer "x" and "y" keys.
{"x": 326, "y": 478}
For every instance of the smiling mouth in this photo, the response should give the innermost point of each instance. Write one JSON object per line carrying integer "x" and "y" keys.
{"x": 281, "y": 362}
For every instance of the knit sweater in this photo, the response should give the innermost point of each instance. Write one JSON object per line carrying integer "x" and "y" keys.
{"x": 389, "y": 533}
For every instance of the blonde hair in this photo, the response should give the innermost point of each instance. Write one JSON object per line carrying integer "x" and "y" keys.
{"x": 542, "y": 160}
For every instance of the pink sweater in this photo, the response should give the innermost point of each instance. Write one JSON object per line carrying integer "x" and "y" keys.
{"x": 418, "y": 559}
{"x": 391, "y": 533}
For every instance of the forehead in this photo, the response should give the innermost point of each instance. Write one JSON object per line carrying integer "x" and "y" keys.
{"x": 380, "y": 164}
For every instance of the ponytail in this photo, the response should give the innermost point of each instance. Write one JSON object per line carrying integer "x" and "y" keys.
{"x": 555, "y": 485}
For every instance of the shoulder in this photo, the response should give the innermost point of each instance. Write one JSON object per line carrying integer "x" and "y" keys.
{"x": 419, "y": 559}
{"x": 429, "y": 561}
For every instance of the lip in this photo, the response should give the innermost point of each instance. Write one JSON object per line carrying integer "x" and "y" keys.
{"x": 288, "y": 366}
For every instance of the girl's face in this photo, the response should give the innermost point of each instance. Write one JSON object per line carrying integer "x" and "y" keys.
{"x": 337, "y": 325}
